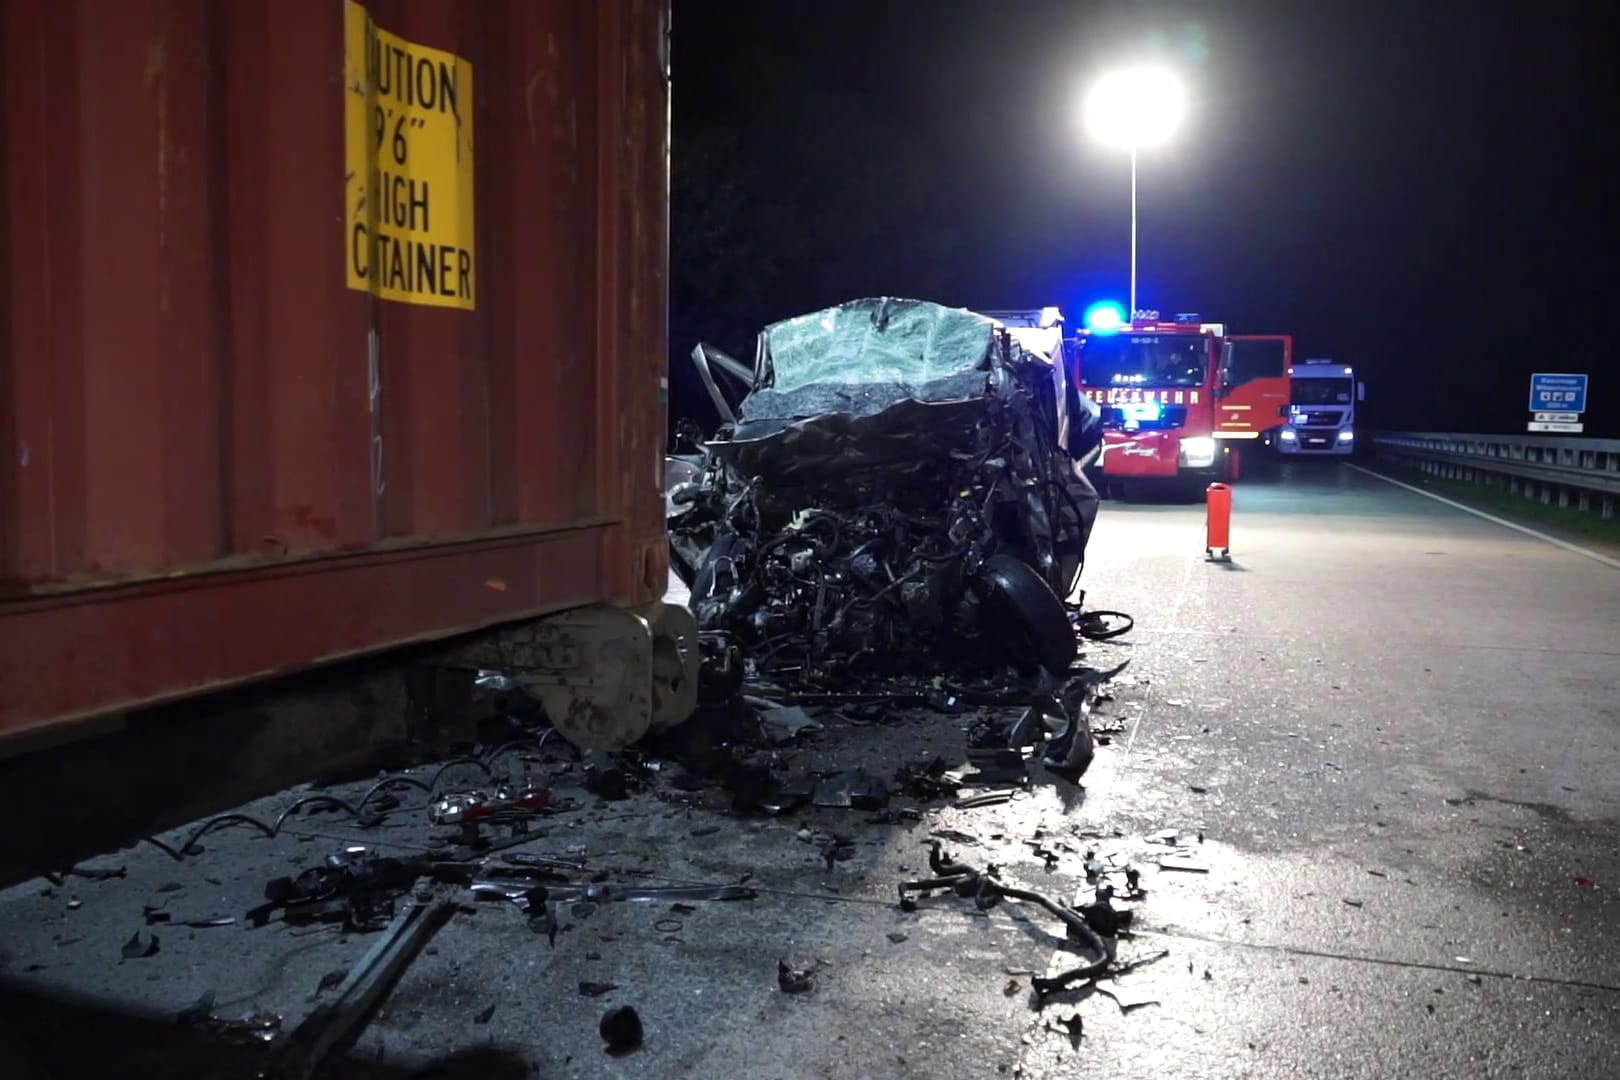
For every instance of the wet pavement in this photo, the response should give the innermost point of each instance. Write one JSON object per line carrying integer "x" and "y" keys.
{"x": 1384, "y": 736}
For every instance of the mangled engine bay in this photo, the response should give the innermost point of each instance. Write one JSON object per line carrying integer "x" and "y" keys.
{"x": 899, "y": 493}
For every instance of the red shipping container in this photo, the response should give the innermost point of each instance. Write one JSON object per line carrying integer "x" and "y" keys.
{"x": 324, "y": 328}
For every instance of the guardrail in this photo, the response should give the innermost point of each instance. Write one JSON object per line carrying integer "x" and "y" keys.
{"x": 1579, "y": 473}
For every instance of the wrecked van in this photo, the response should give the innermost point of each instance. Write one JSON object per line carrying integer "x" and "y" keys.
{"x": 896, "y": 490}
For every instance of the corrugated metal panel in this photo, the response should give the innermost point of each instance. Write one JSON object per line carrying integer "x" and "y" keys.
{"x": 200, "y": 415}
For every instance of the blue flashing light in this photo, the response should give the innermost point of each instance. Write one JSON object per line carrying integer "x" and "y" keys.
{"x": 1104, "y": 317}
{"x": 1141, "y": 411}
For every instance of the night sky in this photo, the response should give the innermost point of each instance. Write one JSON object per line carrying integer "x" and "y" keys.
{"x": 1419, "y": 189}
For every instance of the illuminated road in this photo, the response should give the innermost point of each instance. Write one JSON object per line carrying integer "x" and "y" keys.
{"x": 1394, "y": 725}
{"x": 1405, "y": 722}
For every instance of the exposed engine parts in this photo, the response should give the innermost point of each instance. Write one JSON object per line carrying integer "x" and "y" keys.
{"x": 901, "y": 494}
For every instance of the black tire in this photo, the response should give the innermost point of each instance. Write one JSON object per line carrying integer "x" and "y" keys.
{"x": 1027, "y": 615}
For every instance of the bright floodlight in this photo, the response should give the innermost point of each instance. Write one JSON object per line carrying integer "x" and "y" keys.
{"x": 1135, "y": 107}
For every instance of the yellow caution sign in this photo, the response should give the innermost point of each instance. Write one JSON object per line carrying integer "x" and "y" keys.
{"x": 408, "y": 159}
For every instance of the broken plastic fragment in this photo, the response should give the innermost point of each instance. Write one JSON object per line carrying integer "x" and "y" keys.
{"x": 621, "y": 1030}
{"x": 796, "y": 976}
{"x": 1125, "y": 995}
{"x": 783, "y": 724}
{"x": 1191, "y": 866}
{"x": 136, "y": 949}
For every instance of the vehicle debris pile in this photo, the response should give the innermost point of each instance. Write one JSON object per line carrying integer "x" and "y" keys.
{"x": 899, "y": 493}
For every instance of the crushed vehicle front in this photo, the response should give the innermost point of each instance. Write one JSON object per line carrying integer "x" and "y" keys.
{"x": 899, "y": 493}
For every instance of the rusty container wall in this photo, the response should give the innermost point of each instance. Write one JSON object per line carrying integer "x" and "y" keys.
{"x": 222, "y": 460}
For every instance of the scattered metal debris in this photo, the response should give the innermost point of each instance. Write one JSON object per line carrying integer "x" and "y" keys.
{"x": 365, "y": 985}
{"x": 155, "y": 915}
{"x": 1071, "y": 1025}
{"x": 477, "y": 806}
{"x": 986, "y": 890}
{"x": 524, "y": 892}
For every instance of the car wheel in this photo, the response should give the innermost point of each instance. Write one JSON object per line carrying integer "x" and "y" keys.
{"x": 1024, "y": 610}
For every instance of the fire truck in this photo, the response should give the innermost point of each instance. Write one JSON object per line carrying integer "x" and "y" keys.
{"x": 1179, "y": 397}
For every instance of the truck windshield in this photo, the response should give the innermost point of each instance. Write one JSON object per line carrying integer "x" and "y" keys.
{"x": 1145, "y": 360}
{"x": 1322, "y": 391}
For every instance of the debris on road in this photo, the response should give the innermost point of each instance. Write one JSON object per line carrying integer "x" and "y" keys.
{"x": 524, "y": 892}
{"x": 796, "y": 975}
{"x": 782, "y": 725}
{"x": 138, "y": 948}
{"x": 93, "y": 873}
{"x": 367, "y": 983}
{"x": 621, "y": 1030}
{"x": 1190, "y": 866}
{"x": 1070, "y": 1025}
{"x": 986, "y": 890}
{"x": 255, "y": 1026}
{"x": 886, "y": 537}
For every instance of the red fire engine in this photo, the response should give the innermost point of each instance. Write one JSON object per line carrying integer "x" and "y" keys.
{"x": 1179, "y": 398}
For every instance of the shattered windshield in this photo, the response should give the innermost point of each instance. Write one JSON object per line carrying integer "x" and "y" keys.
{"x": 1321, "y": 391}
{"x": 1144, "y": 360}
{"x": 869, "y": 342}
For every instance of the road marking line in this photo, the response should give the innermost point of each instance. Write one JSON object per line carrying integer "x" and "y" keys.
{"x": 1506, "y": 524}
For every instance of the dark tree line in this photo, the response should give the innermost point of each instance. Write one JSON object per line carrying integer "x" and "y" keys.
{"x": 798, "y": 203}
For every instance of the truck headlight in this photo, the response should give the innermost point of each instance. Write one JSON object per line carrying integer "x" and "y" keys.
{"x": 1288, "y": 435}
{"x": 1198, "y": 452}
{"x": 1347, "y": 435}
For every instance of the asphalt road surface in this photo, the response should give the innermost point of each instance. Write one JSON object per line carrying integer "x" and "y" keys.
{"x": 1384, "y": 736}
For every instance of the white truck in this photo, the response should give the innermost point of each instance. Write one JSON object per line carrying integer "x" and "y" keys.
{"x": 1322, "y": 396}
